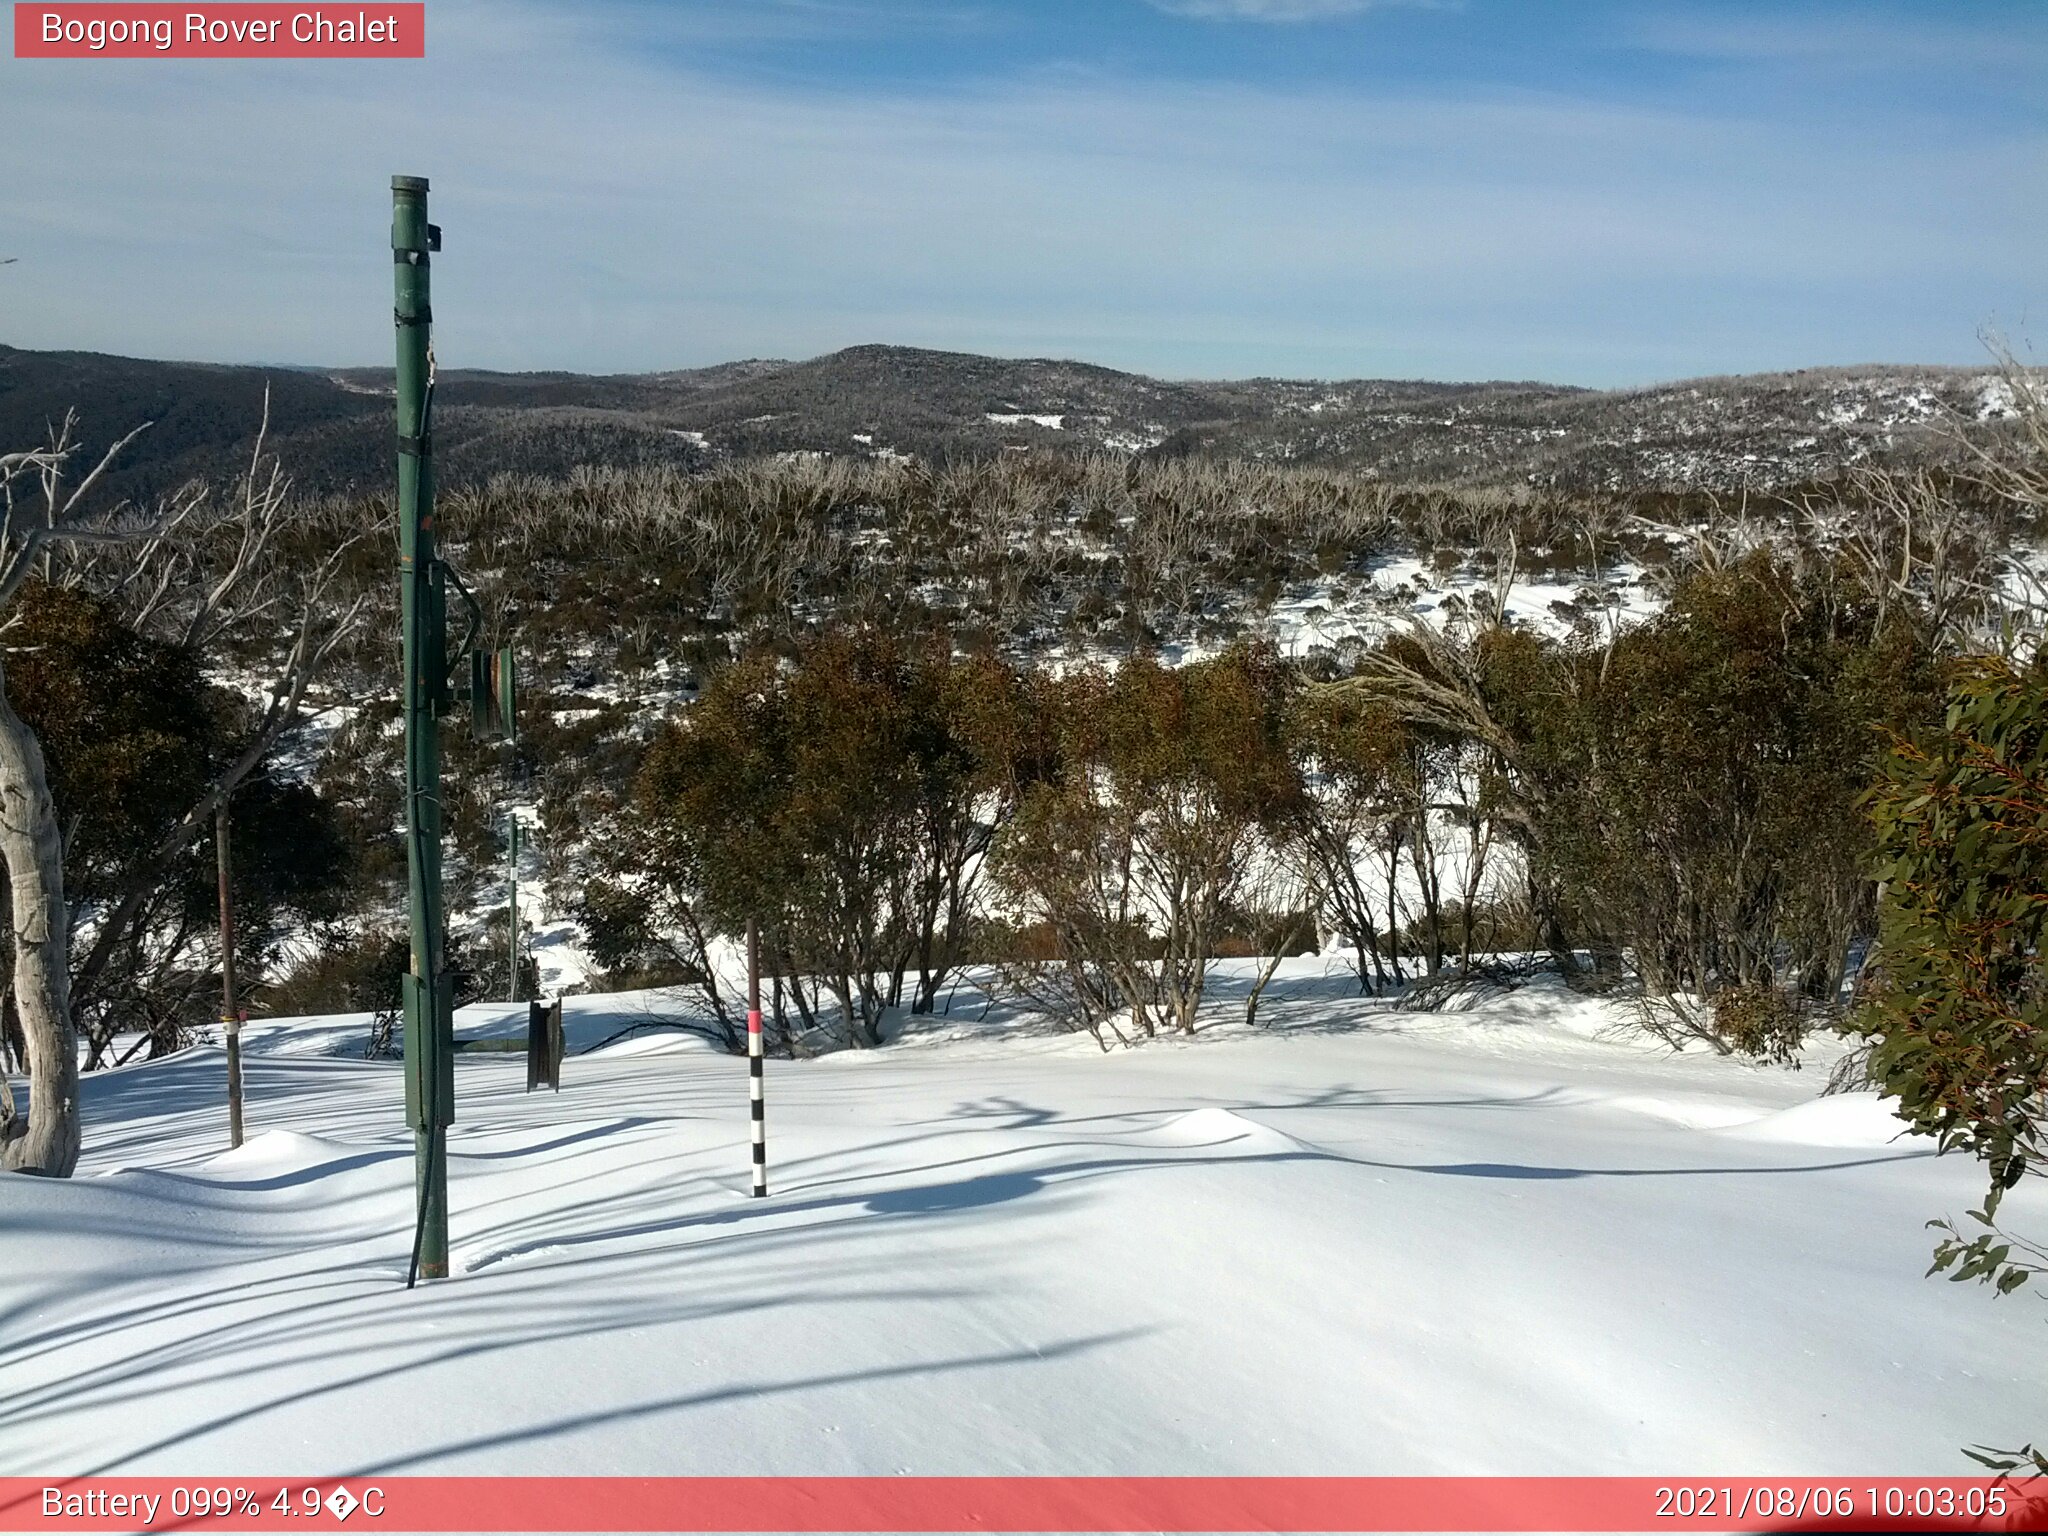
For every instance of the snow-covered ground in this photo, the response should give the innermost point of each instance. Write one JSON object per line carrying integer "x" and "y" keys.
{"x": 1335, "y": 616}
{"x": 1350, "y": 1241}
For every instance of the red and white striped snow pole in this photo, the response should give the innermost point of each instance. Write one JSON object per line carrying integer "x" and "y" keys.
{"x": 757, "y": 1105}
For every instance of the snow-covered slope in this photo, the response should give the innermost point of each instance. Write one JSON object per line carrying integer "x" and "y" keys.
{"x": 1354, "y": 1241}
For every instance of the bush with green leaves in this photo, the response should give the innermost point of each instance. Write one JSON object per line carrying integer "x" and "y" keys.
{"x": 1958, "y": 1004}
{"x": 1360, "y": 791}
{"x": 361, "y": 972}
{"x": 1689, "y": 794}
{"x": 1760, "y": 1020}
{"x": 347, "y": 973}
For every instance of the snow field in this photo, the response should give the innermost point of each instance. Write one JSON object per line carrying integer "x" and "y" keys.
{"x": 1351, "y": 1241}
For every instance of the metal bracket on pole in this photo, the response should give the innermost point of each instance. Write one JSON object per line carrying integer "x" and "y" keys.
{"x": 470, "y": 606}
{"x": 430, "y": 1041}
{"x": 437, "y": 639}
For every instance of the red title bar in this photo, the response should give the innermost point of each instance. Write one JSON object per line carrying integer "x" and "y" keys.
{"x": 241, "y": 31}
{"x": 997, "y": 1504}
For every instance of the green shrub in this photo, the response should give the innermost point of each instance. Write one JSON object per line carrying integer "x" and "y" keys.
{"x": 352, "y": 974}
{"x": 1760, "y": 1021}
{"x": 1958, "y": 1009}
{"x": 359, "y": 973}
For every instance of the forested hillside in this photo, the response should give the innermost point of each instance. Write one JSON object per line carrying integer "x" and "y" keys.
{"x": 874, "y": 402}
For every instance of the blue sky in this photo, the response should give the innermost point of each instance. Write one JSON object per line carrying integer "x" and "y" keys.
{"x": 1604, "y": 194}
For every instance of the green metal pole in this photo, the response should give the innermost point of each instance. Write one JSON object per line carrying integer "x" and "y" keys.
{"x": 430, "y": 1053}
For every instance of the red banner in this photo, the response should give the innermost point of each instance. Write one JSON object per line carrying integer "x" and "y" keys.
{"x": 239, "y": 31}
{"x": 993, "y": 1504}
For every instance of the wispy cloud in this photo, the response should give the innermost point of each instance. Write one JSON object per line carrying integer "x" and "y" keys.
{"x": 1277, "y": 10}
{"x": 1852, "y": 40}
{"x": 609, "y": 207}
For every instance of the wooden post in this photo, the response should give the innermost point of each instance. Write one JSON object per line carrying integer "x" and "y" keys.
{"x": 230, "y": 1012}
{"x": 536, "y": 1044}
{"x": 558, "y": 1045}
{"x": 512, "y": 884}
{"x": 544, "y": 1046}
{"x": 756, "y": 1103}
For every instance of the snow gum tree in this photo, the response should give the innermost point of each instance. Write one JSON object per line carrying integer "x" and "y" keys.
{"x": 132, "y": 734}
{"x": 1342, "y": 740}
{"x": 703, "y": 849}
{"x": 1133, "y": 851}
{"x": 190, "y": 578}
{"x": 1196, "y": 760}
{"x": 1720, "y": 750}
{"x": 47, "y": 1139}
{"x": 974, "y": 742}
{"x": 1685, "y": 795}
{"x": 843, "y": 801}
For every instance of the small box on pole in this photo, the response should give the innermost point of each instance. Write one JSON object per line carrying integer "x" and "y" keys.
{"x": 503, "y": 687}
{"x": 483, "y": 705}
{"x": 436, "y": 641}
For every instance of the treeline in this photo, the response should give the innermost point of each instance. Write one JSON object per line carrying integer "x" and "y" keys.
{"x": 1681, "y": 804}
{"x": 239, "y": 647}
{"x": 618, "y": 574}
{"x": 936, "y": 725}
{"x": 1431, "y": 802}
{"x": 622, "y": 569}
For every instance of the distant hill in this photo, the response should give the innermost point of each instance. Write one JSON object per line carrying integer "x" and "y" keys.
{"x": 333, "y": 427}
